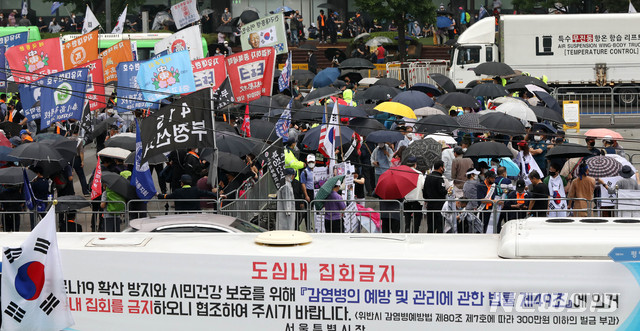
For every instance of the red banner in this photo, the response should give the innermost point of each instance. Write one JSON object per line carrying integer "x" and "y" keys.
{"x": 80, "y": 50}
{"x": 95, "y": 89}
{"x": 251, "y": 73}
{"x": 209, "y": 72}
{"x": 120, "y": 52}
{"x": 96, "y": 185}
{"x": 29, "y": 62}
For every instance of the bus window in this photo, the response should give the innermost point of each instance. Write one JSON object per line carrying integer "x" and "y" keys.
{"x": 467, "y": 55}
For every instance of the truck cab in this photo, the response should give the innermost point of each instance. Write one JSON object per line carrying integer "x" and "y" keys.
{"x": 476, "y": 45}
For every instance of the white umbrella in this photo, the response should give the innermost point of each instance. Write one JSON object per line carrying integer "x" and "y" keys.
{"x": 368, "y": 81}
{"x": 426, "y": 111}
{"x": 518, "y": 110}
{"x": 114, "y": 152}
{"x": 503, "y": 100}
{"x": 440, "y": 137}
{"x": 378, "y": 41}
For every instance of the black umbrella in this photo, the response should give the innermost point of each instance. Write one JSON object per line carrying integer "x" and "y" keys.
{"x": 377, "y": 92}
{"x": 321, "y": 93}
{"x": 224, "y": 127}
{"x": 153, "y": 160}
{"x": 308, "y": 47}
{"x": 488, "y": 90}
{"x": 348, "y": 111}
{"x": 263, "y": 105}
{"x": 124, "y": 141}
{"x": 119, "y": 184}
{"x": 392, "y": 82}
{"x": 231, "y": 163}
{"x": 312, "y": 137}
{"x": 444, "y": 82}
{"x": 549, "y": 101}
{"x": 309, "y": 114}
{"x": 326, "y": 5}
{"x": 384, "y": 136}
{"x": 356, "y": 63}
{"x": 470, "y": 122}
{"x": 4, "y": 154}
{"x": 493, "y": 69}
{"x": 436, "y": 123}
{"x": 488, "y": 149}
{"x": 248, "y": 16}
{"x": 48, "y": 136}
{"x": 48, "y": 167}
{"x": 339, "y": 83}
{"x": 263, "y": 130}
{"x": 71, "y": 203}
{"x": 520, "y": 82}
{"x": 103, "y": 126}
{"x": 568, "y": 150}
{"x": 11, "y": 129}
{"x": 458, "y": 99}
{"x": 426, "y": 88}
{"x": 354, "y": 76}
{"x": 365, "y": 126}
{"x": 501, "y": 122}
{"x": 36, "y": 151}
{"x": 335, "y": 53}
{"x": 66, "y": 147}
{"x": 304, "y": 77}
{"x": 413, "y": 99}
{"x": 13, "y": 175}
{"x": 235, "y": 144}
{"x": 548, "y": 114}
{"x": 225, "y": 28}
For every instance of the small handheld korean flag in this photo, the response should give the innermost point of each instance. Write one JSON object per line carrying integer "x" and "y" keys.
{"x": 119, "y": 28}
{"x": 33, "y": 292}
{"x": 90, "y": 21}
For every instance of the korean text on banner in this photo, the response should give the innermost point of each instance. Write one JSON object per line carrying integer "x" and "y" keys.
{"x": 63, "y": 96}
{"x": 223, "y": 96}
{"x": 95, "y": 85}
{"x": 189, "y": 39}
{"x": 251, "y": 73}
{"x": 80, "y": 50}
{"x": 141, "y": 176}
{"x": 120, "y": 52}
{"x": 29, "y": 95}
{"x": 14, "y": 39}
{"x": 209, "y": 72}
{"x": 33, "y": 289}
{"x": 265, "y": 32}
{"x": 186, "y": 123}
{"x": 32, "y": 61}
{"x": 166, "y": 75}
{"x": 128, "y": 90}
{"x": 185, "y": 13}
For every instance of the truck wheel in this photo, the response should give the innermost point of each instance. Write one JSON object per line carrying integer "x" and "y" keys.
{"x": 627, "y": 97}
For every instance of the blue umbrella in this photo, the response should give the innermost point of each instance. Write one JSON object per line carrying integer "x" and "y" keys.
{"x": 326, "y": 77}
{"x": 283, "y": 9}
{"x": 443, "y": 22}
{"x": 413, "y": 99}
{"x": 512, "y": 167}
{"x": 426, "y": 88}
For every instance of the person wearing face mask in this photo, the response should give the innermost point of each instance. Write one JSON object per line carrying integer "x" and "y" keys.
{"x": 226, "y": 16}
{"x": 538, "y": 149}
{"x": 557, "y": 185}
{"x": 591, "y": 145}
{"x": 459, "y": 167}
{"x": 381, "y": 159}
{"x": 3, "y": 20}
{"x": 286, "y": 216}
{"x": 306, "y": 177}
{"x": 470, "y": 187}
{"x": 525, "y": 162}
{"x": 487, "y": 195}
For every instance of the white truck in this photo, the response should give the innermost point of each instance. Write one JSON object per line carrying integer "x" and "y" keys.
{"x": 579, "y": 50}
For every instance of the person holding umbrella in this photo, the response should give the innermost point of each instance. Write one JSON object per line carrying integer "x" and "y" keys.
{"x": 333, "y": 207}
{"x": 435, "y": 189}
{"x": 381, "y": 159}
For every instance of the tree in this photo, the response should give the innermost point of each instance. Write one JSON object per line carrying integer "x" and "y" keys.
{"x": 397, "y": 10}
{"x": 576, "y": 6}
{"x": 99, "y": 6}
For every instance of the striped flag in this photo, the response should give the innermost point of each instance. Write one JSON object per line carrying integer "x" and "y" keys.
{"x": 285, "y": 76}
{"x": 119, "y": 28}
{"x": 328, "y": 134}
{"x": 283, "y": 124}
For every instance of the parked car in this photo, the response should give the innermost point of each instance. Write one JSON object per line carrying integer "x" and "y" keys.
{"x": 192, "y": 223}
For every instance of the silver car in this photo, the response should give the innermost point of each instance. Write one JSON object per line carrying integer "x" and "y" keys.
{"x": 192, "y": 223}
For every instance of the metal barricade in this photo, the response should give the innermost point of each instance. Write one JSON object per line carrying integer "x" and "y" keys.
{"x": 593, "y": 100}
{"x": 253, "y": 198}
{"x": 269, "y": 216}
{"x": 355, "y": 221}
{"x": 399, "y": 70}
{"x": 421, "y": 70}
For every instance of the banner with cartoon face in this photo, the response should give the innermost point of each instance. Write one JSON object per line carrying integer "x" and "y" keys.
{"x": 62, "y": 96}
{"x": 265, "y": 32}
{"x": 32, "y": 61}
{"x": 170, "y": 74}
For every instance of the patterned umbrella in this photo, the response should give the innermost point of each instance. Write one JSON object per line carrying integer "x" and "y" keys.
{"x": 602, "y": 166}
{"x": 470, "y": 121}
{"x": 427, "y": 151}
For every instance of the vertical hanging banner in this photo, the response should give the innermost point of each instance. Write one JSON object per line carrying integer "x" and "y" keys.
{"x": 120, "y": 52}
{"x": 170, "y": 74}
{"x": 185, "y": 123}
{"x": 185, "y": 13}
{"x": 95, "y": 85}
{"x": 63, "y": 96}
{"x": 31, "y": 61}
{"x": 223, "y": 96}
{"x": 251, "y": 73}
{"x": 189, "y": 39}
{"x": 128, "y": 90}
{"x": 29, "y": 95}
{"x": 209, "y": 72}
{"x": 265, "y": 32}
{"x": 80, "y": 50}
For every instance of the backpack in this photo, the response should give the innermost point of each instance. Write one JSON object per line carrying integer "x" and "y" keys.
{"x": 467, "y": 17}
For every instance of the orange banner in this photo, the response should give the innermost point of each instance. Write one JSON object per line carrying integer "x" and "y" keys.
{"x": 80, "y": 50}
{"x": 120, "y": 52}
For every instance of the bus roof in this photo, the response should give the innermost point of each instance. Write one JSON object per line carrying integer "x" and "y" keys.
{"x": 34, "y": 33}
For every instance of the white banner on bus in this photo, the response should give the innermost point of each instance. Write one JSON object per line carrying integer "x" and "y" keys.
{"x": 185, "y": 13}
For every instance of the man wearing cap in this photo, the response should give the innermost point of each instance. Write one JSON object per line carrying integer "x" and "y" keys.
{"x": 25, "y": 136}
{"x": 306, "y": 178}
{"x": 191, "y": 194}
{"x": 628, "y": 181}
{"x": 517, "y": 202}
{"x": 591, "y": 146}
{"x": 459, "y": 167}
{"x": 435, "y": 192}
{"x": 412, "y": 202}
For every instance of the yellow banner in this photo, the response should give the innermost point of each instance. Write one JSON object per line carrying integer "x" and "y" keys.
{"x": 295, "y": 66}
{"x": 571, "y": 115}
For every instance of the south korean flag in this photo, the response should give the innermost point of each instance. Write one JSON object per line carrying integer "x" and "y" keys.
{"x": 33, "y": 292}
